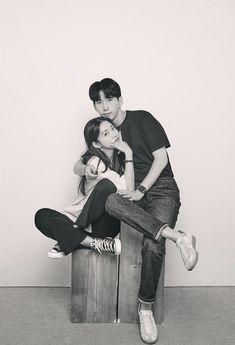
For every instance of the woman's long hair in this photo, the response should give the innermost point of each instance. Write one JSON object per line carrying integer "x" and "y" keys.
{"x": 91, "y": 133}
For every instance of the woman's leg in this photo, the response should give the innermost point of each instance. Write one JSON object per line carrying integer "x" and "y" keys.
{"x": 57, "y": 226}
{"x": 94, "y": 211}
{"x": 103, "y": 225}
{"x": 71, "y": 235}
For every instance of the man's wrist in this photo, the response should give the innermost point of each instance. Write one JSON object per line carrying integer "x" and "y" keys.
{"x": 142, "y": 189}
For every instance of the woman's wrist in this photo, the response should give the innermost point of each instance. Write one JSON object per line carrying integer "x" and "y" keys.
{"x": 84, "y": 172}
{"x": 129, "y": 155}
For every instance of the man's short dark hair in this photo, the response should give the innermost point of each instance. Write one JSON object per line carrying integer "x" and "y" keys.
{"x": 109, "y": 87}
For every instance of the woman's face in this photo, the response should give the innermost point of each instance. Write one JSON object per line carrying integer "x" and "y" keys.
{"x": 108, "y": 135}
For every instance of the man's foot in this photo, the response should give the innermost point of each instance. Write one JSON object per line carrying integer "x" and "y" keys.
{"x": 187, "y": 244}
{"x": 148, "y": 328}
{"x": 56, "y": 252}
{"x": 109, "y": 245}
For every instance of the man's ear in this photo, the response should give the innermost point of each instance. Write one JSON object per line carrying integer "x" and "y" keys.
{"x": 96, "y": 144}
{"x": 120, "y": 100}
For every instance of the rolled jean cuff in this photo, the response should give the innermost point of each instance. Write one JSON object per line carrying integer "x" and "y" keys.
{"x": 147, "y": 301}
{"x": 158, "y": 232}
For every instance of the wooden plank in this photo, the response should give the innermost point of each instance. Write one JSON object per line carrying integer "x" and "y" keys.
{"x": 129, "y": 278}
{"x": 94, "y": 287}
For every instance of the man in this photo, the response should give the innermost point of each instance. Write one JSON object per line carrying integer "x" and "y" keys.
{"x": 155, "y": 198}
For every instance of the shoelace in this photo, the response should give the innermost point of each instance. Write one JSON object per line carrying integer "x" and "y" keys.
{"x": 103, "y": 245}
{"x": 57, "y": 247}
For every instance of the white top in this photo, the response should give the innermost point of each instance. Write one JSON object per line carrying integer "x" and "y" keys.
{"x": 75, "y": 209}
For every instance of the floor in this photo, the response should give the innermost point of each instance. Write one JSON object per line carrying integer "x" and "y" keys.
{"x": 192, "y": 316}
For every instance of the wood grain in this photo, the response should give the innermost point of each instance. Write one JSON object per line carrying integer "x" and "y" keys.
{"x": 94, "y": 287}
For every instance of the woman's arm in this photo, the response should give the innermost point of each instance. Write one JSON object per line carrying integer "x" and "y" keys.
{"x": 129, "y": 167}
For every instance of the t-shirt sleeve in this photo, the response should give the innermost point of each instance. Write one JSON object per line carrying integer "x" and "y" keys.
{"x": 118, "y": 181}
{"x": 153, "y": 132}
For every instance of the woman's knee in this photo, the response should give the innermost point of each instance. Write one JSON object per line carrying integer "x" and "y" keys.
{"x": 105, "y": 186}
{"x": 40, "y": 217}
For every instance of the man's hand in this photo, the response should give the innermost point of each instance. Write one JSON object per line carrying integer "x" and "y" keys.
{"x": 90, "y": 172}
{"x": 133, "y": 196}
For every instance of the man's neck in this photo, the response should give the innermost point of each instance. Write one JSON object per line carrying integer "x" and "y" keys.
{"x": 119, "y": 118}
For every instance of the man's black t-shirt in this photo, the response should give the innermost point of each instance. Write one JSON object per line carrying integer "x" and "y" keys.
{"x": 144, "y": 134}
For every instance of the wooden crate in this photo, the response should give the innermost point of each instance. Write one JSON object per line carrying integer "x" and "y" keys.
{"x": 129, "y": 278}
{"x": 94, "y": 287}
{"x": 97, "y": 293}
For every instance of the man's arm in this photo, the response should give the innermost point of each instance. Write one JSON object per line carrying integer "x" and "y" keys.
{"x": 81, "y": 169}
{"x": 159, "y": 163}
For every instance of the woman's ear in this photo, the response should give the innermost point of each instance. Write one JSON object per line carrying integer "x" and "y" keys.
{"x": 96, "y": 144}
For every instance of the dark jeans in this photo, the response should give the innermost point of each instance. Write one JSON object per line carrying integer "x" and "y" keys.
{"x": 68, "y": 234}
{"x": 159, "y": 206}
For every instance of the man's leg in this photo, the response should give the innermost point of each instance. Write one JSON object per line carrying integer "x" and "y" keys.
{"x": 134, "y": 215}
{"x": 161, "y": 205}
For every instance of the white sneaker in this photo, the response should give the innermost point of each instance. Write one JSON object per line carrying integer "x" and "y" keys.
{"x": 187, "y": 245}
{"x": 107, "y": 244}
{"x": 56, "y": 252}
{"x": 148, "y": 328}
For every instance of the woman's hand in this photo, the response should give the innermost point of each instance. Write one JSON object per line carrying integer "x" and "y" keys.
{"x": 124, "y": 147}
{"x": 133, "y": 196}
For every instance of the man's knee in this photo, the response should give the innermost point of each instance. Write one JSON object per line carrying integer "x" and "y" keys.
{"x": 112, "y": 202}
{"x": 152, "y": 248}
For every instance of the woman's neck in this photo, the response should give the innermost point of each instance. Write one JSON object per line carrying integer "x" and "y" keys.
{"x": 109, "y": 153}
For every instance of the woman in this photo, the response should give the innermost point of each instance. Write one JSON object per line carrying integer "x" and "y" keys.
{"x": 85, "y": 223}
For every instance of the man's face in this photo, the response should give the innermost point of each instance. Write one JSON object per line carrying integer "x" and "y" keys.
{"x": 108, "y": 107}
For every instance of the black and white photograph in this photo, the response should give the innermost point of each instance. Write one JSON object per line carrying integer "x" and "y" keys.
{"x": 117, "y": 172}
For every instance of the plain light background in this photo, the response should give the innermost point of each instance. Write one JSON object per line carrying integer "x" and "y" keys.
{"x": 172, "y": 58}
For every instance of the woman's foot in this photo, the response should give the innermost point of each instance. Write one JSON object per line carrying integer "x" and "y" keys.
{"x": 56, "y": 252}
{"x": 187, "y": 247}
{"x": 109, "y": 245}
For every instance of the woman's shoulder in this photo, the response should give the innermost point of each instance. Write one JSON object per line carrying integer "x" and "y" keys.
{"x": 93, "y": 160}
{"x": 97, "y": 163}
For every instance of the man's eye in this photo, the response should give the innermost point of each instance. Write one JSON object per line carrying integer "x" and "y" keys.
{"x": 98, "y": 102}
{"x": 110, "y": 99}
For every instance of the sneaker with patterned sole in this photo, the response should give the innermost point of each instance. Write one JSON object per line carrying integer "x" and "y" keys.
{"x": 109, "y": 245}
{"x": 56, "y": 252}
{"x": 148, "y": 327}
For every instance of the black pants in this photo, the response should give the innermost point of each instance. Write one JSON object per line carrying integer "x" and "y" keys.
{"x": 68, "y": 234}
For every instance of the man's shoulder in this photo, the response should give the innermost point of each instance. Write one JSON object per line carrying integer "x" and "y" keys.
{"x": 138, "y": 114}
